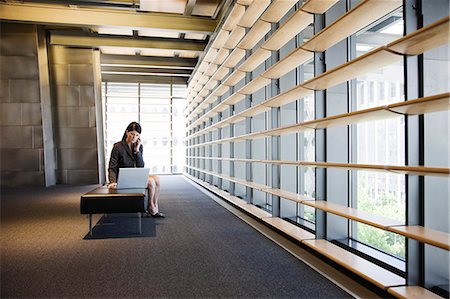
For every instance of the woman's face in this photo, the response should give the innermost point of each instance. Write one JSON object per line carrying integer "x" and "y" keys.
{"x": 132, "y": 136}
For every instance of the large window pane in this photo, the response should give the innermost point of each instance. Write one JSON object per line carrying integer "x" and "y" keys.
{"x": 380, "y": 142}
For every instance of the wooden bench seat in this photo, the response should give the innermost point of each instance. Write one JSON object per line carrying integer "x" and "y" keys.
{"x": 412, "y": 292}
{"x": 289, "y": 229}
{"x": 363, "y": 268}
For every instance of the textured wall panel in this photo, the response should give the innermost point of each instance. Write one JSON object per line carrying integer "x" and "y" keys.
{"x": 67, "y": 96}
{"x": 87, "y": 96}
{"x": 68, "y": 117}
{"x": 16, "y": 137}
{"x": 75, "y": 137}
{"x": 10, "y": 114}
{"x": 29, "y": 159}
{"x": 92, "y": 117}
{"x": 19, "y": 67}
{"x": 38, "y": 141}
{"x": 4, "y": 91}
{"x": 77, "y": 159}
{"x": 24, "y": 91}
{"x": 81, "y": 74}
{"x": 63, "y": 55}
{"x": 27, "y": 42}
{"x": 59, "y": 74}
{"x": 20, "y": 178}
{"x": 31, "y": 114}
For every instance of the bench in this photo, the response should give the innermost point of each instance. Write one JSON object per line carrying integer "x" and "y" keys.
{"x": 105, "y": 201}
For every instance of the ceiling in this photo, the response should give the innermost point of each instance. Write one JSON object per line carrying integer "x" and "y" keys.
{"x": 146, "y": 40}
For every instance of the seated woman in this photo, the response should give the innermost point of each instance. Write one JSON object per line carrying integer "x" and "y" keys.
{"x": 128, "y": 153}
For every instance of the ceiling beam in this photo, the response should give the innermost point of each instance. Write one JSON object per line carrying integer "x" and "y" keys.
{"x": 144, "y": 79}
{"x": 75, "y": 16}
{"x": 82, "y": 39}
{"x": 148, "y": 62}
{"x": 143, "y": 71}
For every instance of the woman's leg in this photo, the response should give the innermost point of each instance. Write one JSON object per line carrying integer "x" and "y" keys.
{"x": 154, "y": 190}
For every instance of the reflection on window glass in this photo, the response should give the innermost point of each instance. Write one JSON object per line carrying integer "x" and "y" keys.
{"x": 380, "y": 142}
{"x": 157, "y": 107}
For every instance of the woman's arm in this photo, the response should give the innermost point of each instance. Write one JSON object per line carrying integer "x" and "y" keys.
{"x": 113, "y": 168}
{"x": 139, "y": 157}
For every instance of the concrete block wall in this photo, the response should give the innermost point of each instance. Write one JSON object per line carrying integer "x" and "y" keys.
{"x": 73, "y": 111}
{"x": 21, "y": 142}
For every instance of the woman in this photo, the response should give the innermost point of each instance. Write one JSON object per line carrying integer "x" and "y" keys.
{"x": 128, "y": 153}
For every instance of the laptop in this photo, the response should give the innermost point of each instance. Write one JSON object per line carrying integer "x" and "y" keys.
{"x": 133, "y": 178}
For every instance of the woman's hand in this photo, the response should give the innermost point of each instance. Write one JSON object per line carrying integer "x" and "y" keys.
{"x": 137, "y": 146}
{"x": 112, "y": 186}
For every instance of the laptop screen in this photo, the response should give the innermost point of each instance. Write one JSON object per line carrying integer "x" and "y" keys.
{"x": 133, "y": 178}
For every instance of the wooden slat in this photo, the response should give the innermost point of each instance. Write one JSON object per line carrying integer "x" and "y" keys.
{"x": 288, "y": 63}
{"x": 367, "y": 270}
{"x": 253, "y": 13}
{"x": 354, "y": 214}
{"x": 220, "y": 39}
{"x": 210, "y": 85}
{"x": 435, "y": 103}
{"x": 366, "y": 12}
{"x": 234, "y": 58}
{"x": 235, "y": 37}
{"x": 277, "y": 10}
{"x": 412, "y": 292}
{"x": 424, "y": 235}
{"x": 255, "y": 211}
{"x": 371, "y": 114}
{"x": 424, "y": 39}
{"x": 289, "y": 229}
{"x": 234, "y": 78}
{"x": 233, "y": 99}
{"x": 258, "y": 57}
{"x": 233, "y": 18}
{"x": 318, "y": 6}
{"x": 288, "y": 195}
{"x": 209, "y": 56}
{"x": 220, "y": 90}
{"x": 221, "y": 73}
{"x": 255, "y": 110}
{"x": 364, "y": 64}
{"x": 255, "y": 85}
{"x": 258, "y": 31}
{"x": 293, "y": 26}
{"x": 289, "y": 96}
{"x": 212, "y": 68}
{"x": 221, "y": 56}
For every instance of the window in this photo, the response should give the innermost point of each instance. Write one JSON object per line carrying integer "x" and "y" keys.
{"x": 380, "y": 142}
{"x": 157, "y": 107}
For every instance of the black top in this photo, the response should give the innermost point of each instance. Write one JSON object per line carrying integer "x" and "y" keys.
{"x": 122, "y": 157}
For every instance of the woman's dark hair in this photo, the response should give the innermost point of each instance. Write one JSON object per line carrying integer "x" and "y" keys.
{"x": 133, "y": 126}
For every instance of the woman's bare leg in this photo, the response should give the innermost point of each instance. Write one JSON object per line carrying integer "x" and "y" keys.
{"x": 151, "y": 194}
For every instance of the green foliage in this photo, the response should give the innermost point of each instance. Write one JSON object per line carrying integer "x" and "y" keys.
{"x": 387, "y": 206}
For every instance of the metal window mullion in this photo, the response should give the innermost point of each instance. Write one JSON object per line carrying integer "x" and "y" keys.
{"x": 414, "y": 134}
{"x": 320, "y": 135}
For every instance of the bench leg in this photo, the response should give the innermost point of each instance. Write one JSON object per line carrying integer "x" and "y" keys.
{"x": 90, "y": 225}
{"x": 140, "y": 222}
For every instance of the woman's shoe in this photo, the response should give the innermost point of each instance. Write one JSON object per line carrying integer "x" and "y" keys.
{"x": 159, "y": 215}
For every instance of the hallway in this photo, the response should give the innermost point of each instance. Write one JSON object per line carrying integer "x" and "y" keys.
{"x": 200, "y": 250}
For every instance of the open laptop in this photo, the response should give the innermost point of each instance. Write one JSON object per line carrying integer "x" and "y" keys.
{"x": 133, "y": 178}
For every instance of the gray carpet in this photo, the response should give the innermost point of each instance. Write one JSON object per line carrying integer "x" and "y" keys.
{"x": 199, "y": 251}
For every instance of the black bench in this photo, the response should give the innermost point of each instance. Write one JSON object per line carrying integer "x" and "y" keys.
{"x": 104, "y": 201}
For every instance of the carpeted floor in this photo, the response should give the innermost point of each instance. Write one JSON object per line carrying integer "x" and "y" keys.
{"x": 199, "y": 251}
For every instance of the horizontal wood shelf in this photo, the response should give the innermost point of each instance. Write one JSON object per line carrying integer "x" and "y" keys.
{"x": 318, "y": 6}
{"x": 363, "y": 268}
{"x": 427, "y": 38}
{"x": 353, "y": 214}
{"x": 412, "y": 292}
{"x": 424, "y": 235}
{"x": 357, "y": 18}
